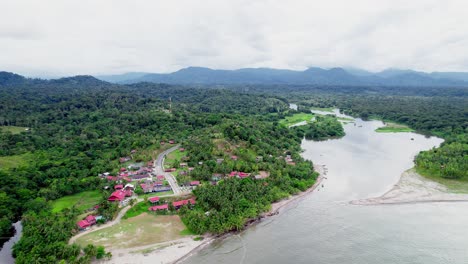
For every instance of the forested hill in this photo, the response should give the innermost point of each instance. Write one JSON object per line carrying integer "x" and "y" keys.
{"x": 311, "y": 76}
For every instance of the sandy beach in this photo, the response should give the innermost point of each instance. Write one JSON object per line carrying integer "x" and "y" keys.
{"x": 160, "y": 253}
{"x": 413, "y": 188}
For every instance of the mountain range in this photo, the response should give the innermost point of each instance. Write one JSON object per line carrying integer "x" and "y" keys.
{"x": 313, "y": 75}
{"x": 267, "y": 76}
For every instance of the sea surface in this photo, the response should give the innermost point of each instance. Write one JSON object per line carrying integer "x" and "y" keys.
{"x": 324, "y": 228}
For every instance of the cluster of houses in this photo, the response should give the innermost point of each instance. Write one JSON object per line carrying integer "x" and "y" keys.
{"x": 88, "y": 221}
{"x": 176, "y": 204}
{"x": 121, "y": 192}
{"x": 155, "y": 186}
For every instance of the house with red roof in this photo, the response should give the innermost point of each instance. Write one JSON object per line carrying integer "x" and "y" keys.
{"x": 83, "y": 224}
{"x": 159, "y": 207}
{"x": 154, "y": 199}
{"x": 243, "y": 175}
{"x": 171, "y": 141}
{"x": 111, "y": 178}
{"x": 118, "y": 195}
{"x": 178, "y": 204}
{"x": 234, "y": 157}
{"x": 118, "y": 187}
{"x": 91, "y": 219}
{"x": 194, "y": 183}
{"x": 160, "y": 177}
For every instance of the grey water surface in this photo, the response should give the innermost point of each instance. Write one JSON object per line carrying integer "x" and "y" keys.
{"x": 324, "y": 228}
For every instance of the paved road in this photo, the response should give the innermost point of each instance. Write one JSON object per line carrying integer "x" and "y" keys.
{"x": 159, "y": 170}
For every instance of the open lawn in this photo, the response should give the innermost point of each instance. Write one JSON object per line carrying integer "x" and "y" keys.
{"x": 173, "y": 156}
{"x": 326, "y": 109}
{"x": 296, "y": 118}
{"x": 145, "y": 229}
{"x": 456, "y": 186}
{"x": 9, "y": 162}
{"x": 13, "y": 129}
{"x": 83, "y": 201}
{"x": 393, "y": 128}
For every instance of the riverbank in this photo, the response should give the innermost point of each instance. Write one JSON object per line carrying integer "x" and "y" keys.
{"x": 413, "y": 188}
{"x": 275, "y": 207}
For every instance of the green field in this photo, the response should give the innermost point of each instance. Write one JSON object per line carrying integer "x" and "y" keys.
{"x": 455, "y": 186}
{"x": 296, "y": 118}
{"x": 13, "y": 129}
{"x": 144, "y": 229}
{"x": 393, "y": 128}
{"x": 83, "y": 201}
{"x": 173, "y": 156}
{"x": 326, "y": 109}
{"x": 10, "y": 162}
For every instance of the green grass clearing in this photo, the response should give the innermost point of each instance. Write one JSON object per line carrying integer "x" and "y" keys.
{"x": 15, "y": 161}
{"x": 325, "y": 109}
{"x": 83, "y": 201}
{"x": 173, "y": 156}
{"x": 455, "y": 186}
{"x": 393, "y": 128}
{"x": 296, "y": 118}
{"x": 13, "y": 129}
{"x": 142, "y": 230}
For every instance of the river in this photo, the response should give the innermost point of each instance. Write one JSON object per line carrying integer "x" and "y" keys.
{"x": 324, "y": 228}
{"x": 5, "y": 251}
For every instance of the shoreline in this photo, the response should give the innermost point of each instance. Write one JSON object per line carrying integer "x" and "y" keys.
{"x": 275, "y": 207}
{"x": 413, "y": 188}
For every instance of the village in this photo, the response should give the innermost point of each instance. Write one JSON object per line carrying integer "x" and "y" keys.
{"x": 157, "y": 186}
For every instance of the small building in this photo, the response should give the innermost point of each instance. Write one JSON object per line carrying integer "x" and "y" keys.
{"x": 154, "y": 199}
{"x": 118, "y": 195}
{"x": 158, "y": 183}
{"x": 160, "y": 177}
{"x": 162, "y": 143}
{"x": 171, "y": 141}
{"x": 159, "y": 207}
{"x": 183, "y": 164}
{"x": 219, "y": 161}
{"x": 83, "y": 224}
{"x": 178, "y": 204}
{"x": 243, "y": 175}
{"x": 91, "y": 219}
{"x": 181, "y": 149}
{"x": 122, "y": 169}
{"x": 133, "y": 151}
{"x": 233, "y": 157}
{"x": 111, "y": 178}
{"x": 191, "y": 168}
{"x": 118, "y": 187}
{"x": 129, "y": 186}
{"x": 194, "y": 183}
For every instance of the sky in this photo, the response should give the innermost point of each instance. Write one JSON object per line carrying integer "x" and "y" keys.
{"x": 69, "y": 37}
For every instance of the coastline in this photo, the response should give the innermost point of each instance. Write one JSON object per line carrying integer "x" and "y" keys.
{"x": 413, "y": 188}
{"x": 275, "y": 207}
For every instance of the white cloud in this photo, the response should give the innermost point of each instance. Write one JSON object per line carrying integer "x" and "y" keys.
{"x": 112, "y": 36}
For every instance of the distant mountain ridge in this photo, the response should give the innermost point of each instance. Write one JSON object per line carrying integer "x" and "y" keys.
{"x": 313, "y": 75}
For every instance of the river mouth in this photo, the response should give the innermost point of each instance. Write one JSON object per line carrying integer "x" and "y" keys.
{"x": 324, "y": 228}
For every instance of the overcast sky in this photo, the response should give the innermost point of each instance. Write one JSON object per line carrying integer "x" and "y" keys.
{"x": 68, "y": 37}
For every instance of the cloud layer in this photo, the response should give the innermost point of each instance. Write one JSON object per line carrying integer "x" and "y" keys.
{"x": 56, "y": 37}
